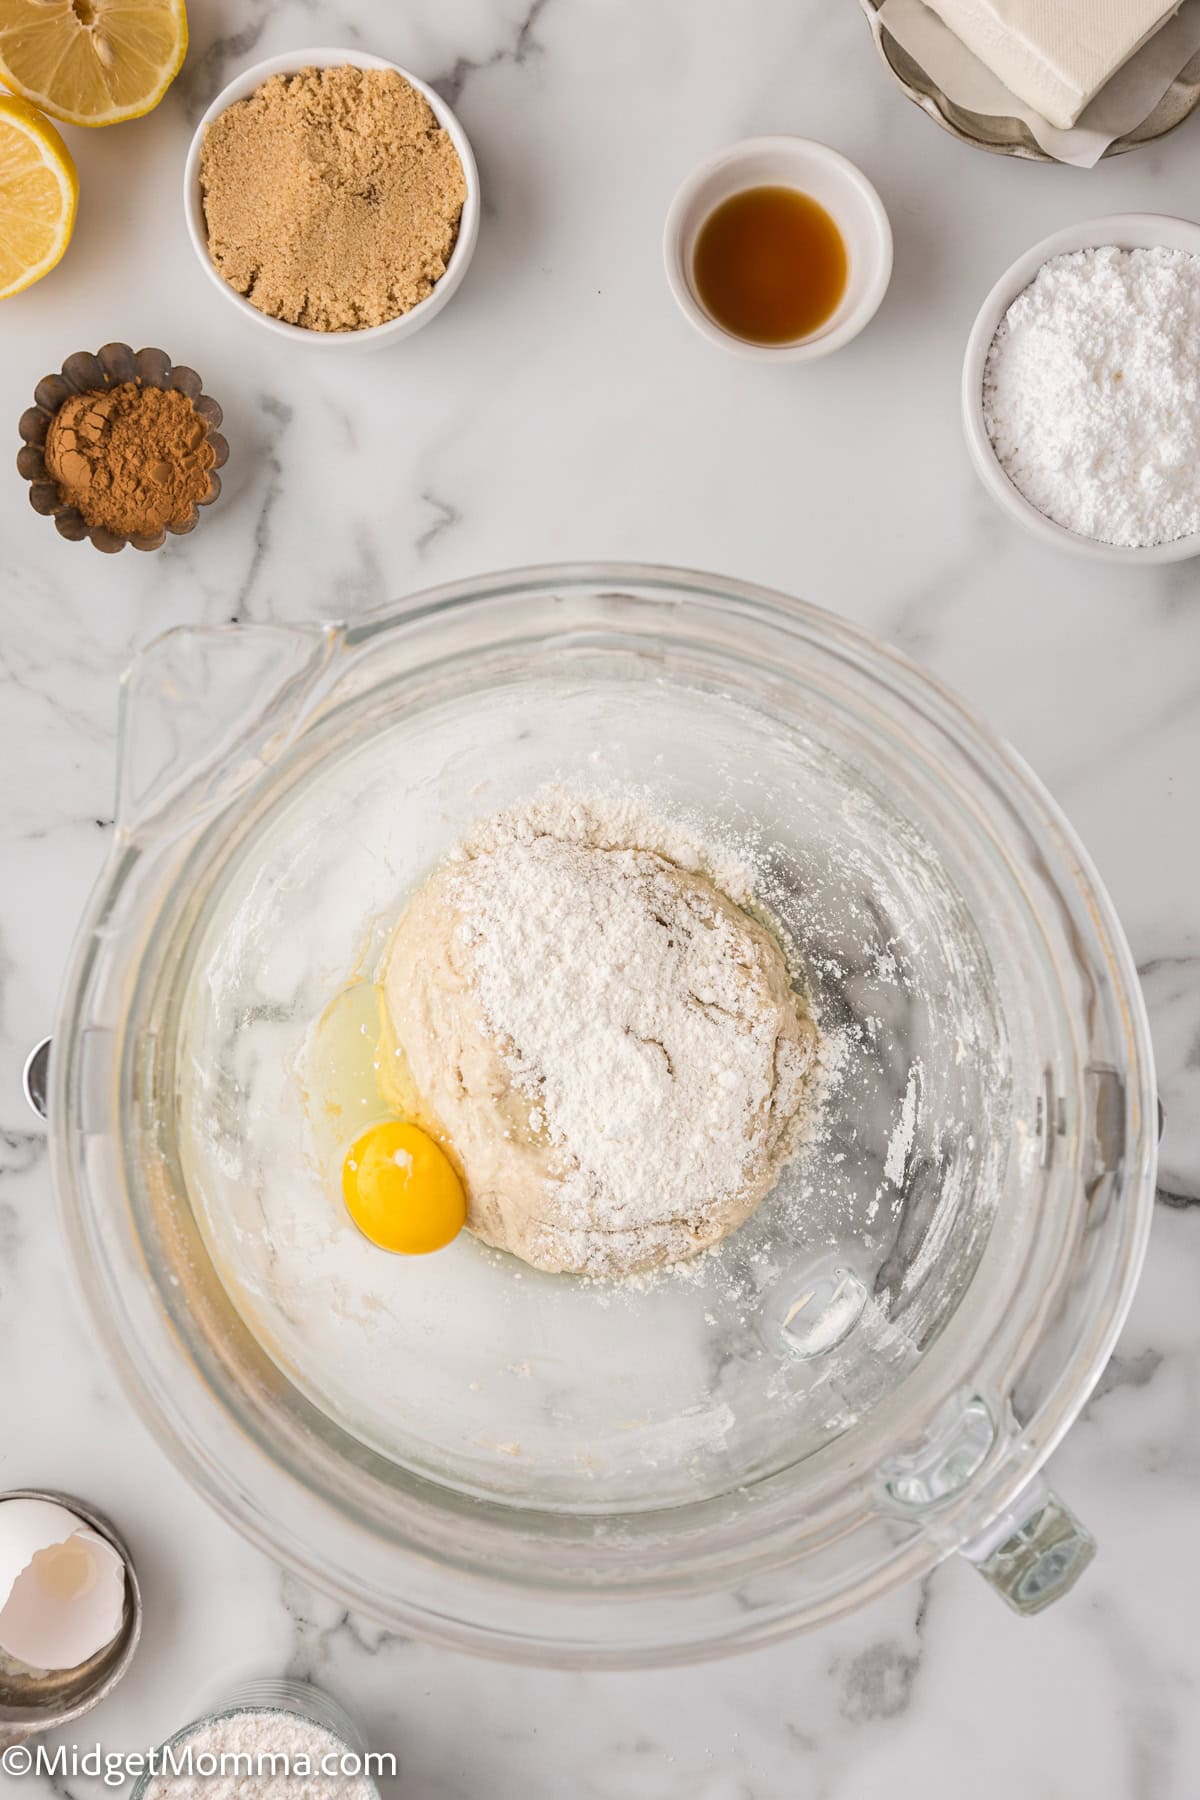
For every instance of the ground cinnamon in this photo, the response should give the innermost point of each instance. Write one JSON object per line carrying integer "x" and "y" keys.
{"x": 130, "y": 459}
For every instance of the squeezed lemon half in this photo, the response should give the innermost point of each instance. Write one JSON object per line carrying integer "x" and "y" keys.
{"x": 92, "y": 62}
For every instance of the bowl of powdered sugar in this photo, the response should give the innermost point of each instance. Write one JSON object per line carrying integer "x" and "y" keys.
{"x": 1080, "y": 395}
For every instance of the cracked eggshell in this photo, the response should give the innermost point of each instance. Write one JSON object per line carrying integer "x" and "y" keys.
{"x": 62, "y": 1586}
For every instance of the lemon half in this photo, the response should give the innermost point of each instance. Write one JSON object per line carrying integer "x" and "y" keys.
{"x": 38, "y": 193}
{"x": 92, "y": 62}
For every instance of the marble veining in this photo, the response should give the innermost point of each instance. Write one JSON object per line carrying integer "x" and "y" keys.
{"x": 524, "y": 44}
{"x": 561, "y": 408}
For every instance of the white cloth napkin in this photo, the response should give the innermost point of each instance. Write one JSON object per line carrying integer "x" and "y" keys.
{"x": 1121, "y": 104}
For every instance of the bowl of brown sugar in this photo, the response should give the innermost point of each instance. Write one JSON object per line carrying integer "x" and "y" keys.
{"x": 333, "y": 198}
{"x": 121, "y": 447}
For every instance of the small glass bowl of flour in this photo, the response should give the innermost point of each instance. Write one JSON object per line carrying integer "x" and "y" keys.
{"x": 1081, "y": 389}
{"x": 271, "y": 1740}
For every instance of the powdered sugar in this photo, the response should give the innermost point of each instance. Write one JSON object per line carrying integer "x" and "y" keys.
{"x": 1091, "y": 394}
{"x": 651, "y": 1023}
{"x": 619, "y": 818}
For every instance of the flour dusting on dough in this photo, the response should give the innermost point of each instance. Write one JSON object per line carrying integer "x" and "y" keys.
{"x": 612, "y": 1045}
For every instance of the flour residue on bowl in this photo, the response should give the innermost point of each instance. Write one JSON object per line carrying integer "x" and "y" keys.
{"x": 901, "y": 1141}
{"x": 416, "y": 1355}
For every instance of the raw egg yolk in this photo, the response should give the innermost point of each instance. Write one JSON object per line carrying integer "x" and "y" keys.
{"x": 402, "y": 1191}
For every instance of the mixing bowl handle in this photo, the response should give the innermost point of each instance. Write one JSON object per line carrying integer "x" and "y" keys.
{"x": 1034, "y": 1552}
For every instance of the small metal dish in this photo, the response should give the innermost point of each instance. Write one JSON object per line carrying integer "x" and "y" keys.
{"x": 85, "y": 373}
{"x": 33, "y": 1701}
{"x": 1006, "y": 136}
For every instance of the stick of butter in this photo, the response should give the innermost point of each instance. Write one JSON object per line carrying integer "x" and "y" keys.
{"x": 1055, "y": 54}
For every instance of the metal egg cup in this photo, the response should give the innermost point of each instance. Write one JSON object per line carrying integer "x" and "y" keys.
{"x": 33, "y": 1700}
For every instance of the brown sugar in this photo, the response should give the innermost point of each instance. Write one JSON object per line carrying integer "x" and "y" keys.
{"x": 130, "y": 459}
{"x": 332, "y": 197}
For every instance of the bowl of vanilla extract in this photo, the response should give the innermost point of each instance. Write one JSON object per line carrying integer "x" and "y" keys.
{"x": 778, "y": 249}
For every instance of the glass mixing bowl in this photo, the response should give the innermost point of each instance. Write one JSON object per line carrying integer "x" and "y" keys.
{"x": 865, "y": 1377}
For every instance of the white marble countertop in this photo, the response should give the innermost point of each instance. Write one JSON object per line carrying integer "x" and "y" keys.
{"x": 561, "y": 408}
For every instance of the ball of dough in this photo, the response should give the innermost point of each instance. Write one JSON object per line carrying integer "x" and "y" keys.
{"x": 612, "y": 1113}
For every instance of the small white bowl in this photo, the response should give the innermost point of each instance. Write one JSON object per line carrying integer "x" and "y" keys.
{"x": 835, "y": 184}
{"x": 1128, "y": 231}
{"x": 371, "y": 337}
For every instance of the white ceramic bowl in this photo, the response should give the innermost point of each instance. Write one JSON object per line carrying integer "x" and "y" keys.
{"x": 373, "y": 336}
{"x": 1129, "y": 231}
{"x": 835, "y": 184}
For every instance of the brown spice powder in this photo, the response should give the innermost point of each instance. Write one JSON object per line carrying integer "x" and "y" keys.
{"x": 131, "y": 459}
{"x": 332, "y": 197}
